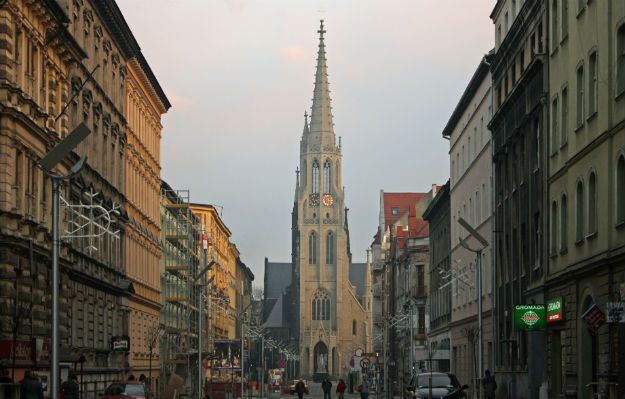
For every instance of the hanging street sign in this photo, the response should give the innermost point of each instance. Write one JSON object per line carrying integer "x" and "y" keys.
{"x": 594, "y": 317}
{"x": 616, "y": 312}
{"x": 554, "y": 310}
{"x": 529, "y": 317}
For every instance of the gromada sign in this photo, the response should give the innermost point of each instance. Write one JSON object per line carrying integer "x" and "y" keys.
{"x": 554, "y": 310}
{"x": 529, "y": 317}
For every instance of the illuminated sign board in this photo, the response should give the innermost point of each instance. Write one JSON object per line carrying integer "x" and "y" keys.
{"x": 554, "y": 310}
{"x": 529, "y": 317}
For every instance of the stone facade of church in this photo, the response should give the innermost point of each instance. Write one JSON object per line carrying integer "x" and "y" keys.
{"x": 327, "y": 307}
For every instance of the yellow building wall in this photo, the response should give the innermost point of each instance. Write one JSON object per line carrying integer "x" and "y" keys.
{"x": 143, "y": 112}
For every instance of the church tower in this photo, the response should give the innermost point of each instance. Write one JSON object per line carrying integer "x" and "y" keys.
{"x": 334, "y": 318}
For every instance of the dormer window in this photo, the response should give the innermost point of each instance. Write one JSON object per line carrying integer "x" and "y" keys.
{"x": 394, "y": 211}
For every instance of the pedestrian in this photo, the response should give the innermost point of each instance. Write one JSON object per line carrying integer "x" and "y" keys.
{"x": 31, "y": 387}
{"x": 340, "y": 389}
{"x": 5, "y": 379}
{"x": 489, "y": 384}
{"x": 326, "y": 385}
{"x": 300, "y": 389}
{"x": 131, "y": 377}
{"x": 70, "y": 388}
{"x": 364, "y": 388}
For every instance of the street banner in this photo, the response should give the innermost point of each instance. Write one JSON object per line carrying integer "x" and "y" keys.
{"x": 554, "y": 310}
{"x": 616, "y": 312}
{"x": 227, "y": 354}
{"x": 529, "y": 317}
{"x": 594, "y": 317}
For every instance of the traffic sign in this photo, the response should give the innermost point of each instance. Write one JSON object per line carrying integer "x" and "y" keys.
{"x": 364, "y": 362}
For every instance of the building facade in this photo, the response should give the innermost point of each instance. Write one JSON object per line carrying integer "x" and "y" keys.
{"x": 470, "y": 198}
{"x": 333, "y": 320}
{"x": 586, "y": 193}
{"x": 518, "y": 126}
{"x": 144, "y": 106}
{"x": 438, "y": 217}
{"x": 34, "y": 88}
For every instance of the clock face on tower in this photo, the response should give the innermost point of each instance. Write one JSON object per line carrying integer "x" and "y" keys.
{"x": 328, "y": 200}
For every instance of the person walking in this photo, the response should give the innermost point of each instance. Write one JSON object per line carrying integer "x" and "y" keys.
{"x": 300, "y": 389}
{"x": 326, "y": 385}
{"x": 31, "y": 387}
{"x": 364, "y": 388}
{"x": 70, "y": 388}
{"x": 489, "y": 385}
{"x": 340, "y": 389}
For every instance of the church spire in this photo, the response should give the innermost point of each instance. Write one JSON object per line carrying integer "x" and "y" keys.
{"x": 321, "y": 125}
{"x": 305, "y": 123}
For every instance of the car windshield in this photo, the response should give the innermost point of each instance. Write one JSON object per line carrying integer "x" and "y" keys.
{"x": 438, "y": 381}
{"x": 125, "y": 389}
{"x": 134, "y": 389}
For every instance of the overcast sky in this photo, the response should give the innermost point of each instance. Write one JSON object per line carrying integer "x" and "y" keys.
{"x": 240, "y": 74}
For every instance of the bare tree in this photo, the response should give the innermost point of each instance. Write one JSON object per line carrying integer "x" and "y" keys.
{"x": 257, "y": 293}
{"x": 153, "y": 334}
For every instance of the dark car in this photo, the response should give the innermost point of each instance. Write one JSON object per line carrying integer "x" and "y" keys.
{"x": 444, "y": 386}
{"x": 125, "y": 390}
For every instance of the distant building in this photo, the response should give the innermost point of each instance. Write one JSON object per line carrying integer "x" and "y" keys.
{"x": 470, "y": 191}
{"x": 518, "y": 125}
{"x": 439, "y": 298}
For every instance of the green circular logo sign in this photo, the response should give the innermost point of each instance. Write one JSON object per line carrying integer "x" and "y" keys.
{"x": 530, "y": 318}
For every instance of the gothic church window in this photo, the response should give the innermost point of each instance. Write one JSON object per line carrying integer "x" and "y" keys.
{"x": 312, "y": 248}
{"x": 315, "y": 177}
{"x": 321, "y": 306}
{"x": 330, "y": 248}
{"x": 326, "y": 176}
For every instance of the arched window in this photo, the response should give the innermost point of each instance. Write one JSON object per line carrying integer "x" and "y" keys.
{"x": 554, "y": 227}
{"x": 326, "y": 176}
{"x": 315, "y": 177}
{"x": 321, "y": 305}
{"x": 354, "y": 327}
{"x": 563, "y": 224}
{"x": 592, "y": 203}
{"x": 620, "y": 190}
{"x": 330, "y": 248}
{"x": 312, "y": 248}
{"x": 579, "y": 212}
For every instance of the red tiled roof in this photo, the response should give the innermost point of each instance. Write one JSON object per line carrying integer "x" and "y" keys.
{"x": 401, "y": 201}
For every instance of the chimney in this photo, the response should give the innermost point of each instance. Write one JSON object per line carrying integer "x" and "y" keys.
{"x": 433, "y": 191}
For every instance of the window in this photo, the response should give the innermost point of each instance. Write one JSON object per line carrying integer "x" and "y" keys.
{"x": 394, "y": 210}
{"x": 469, "y": 155}
{"x": 554, "y": 227}
{"x": 554, "y": 24}
{"x": 315, "y": 177}
{"x": 554, "y": 125}
{"x": 312, "y": 248}
{"x": 513, "y": 8}
{"x": 354, "y": 327}
{"x": 579, "y": 212}
{"x": 563, "y": 224}
{"x": 620, "y": 190}
{"x": 580, "y": 5}
{"x": 330, "y": 248}
{"x": 620, "y": 61}
{"x": 499, "y": 34}
{"x": 505, "y": 26}
{"x": 565, "y": 18}
{"x": 580, "y": 95}
{"x": 592, "y": 83}
{"x": 565, "y": 116}
{"x": 592, "y": 203}
{"x": 326, "y": 176}
{"x": 321, "y": 305}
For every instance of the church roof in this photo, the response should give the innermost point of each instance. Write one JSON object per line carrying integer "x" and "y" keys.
{"x": 321, "y": 123}
{"x": 357, "y": 276}
{"x": 277, "y": 278}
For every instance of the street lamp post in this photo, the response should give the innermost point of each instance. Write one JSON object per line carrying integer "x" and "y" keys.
{"x": 478, "y": 273}
{"x": 47, "y": 164}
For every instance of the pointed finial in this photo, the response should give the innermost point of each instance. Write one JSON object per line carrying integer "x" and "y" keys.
{"x": 306, "y": 117}
{"x": 321, "y": 31}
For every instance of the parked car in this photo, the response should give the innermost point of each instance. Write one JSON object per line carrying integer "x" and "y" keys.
{"x": 125, "y": 390}
{"x": 444, "y": 386}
